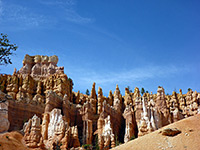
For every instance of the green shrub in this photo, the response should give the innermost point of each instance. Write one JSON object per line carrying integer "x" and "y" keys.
{"x": 96, "y": 143}
{"x": 87, "y": 146}
{"x": 57, "y": 146}
{"x": 132, "y": 138}
{"x": 116, "y": 141}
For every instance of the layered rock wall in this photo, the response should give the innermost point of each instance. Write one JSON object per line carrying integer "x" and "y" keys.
{"x": 19, "y": 113}
{"x": 4, "y": 121}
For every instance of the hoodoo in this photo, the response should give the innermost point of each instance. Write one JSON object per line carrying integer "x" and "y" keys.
{"x": 39, "y": 102}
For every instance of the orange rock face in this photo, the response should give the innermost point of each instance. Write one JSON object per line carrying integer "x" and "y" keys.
{"x": 58, "y": 117}
{"x": 29, "y": 88}
{"x": 32, "y": 136}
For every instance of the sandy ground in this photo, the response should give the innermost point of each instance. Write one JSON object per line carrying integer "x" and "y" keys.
{"x": 11, "y": 141}
{"x": 188, "y": 139}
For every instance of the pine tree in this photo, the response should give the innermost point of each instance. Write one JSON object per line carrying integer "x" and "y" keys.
{"x": 6, "y": 49}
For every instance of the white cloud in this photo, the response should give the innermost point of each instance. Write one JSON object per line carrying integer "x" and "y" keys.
{"x": 19, "y": 16}
{"x": 72, "y": 16}
{"x": 58, "y": 2}
{"x": 107, "y": 80}
{"x": 13, "y": 15}
{"x": 67, "y": 7}
{"x": 1, "y": 8}
{"x": 134, "y": 75}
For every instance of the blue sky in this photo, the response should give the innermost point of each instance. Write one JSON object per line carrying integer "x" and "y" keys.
{"x": 130, "y": 43}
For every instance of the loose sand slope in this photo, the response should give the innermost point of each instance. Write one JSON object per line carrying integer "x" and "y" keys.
{"x": 188, "y": 139}
{"x": 11, "y": 141}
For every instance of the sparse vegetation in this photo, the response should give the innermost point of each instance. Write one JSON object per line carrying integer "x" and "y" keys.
{"x": 189, "y": 89}
{"x": 96, "y": 143}
{"x": 6, "y": 49}
{"x": 142, "y": 91}
{"x": 117, "y": 143}
{"x": 129, "y": 89}
{"x": 87, "y": 146}
{"x": 133, "y": 137}
{"x": 71, "y": 83}
{"x": 69, "y": 79}
{"x": 25, "y": 120}
{"x": 87, "y": 92}
{"x": 57, "y": 146}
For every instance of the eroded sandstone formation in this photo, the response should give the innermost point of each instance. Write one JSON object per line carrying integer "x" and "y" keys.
{"x": 41, "y": 93}
{"x": 29, "y": 87}
{"x": 4, "y": 122}
{"x": 53, "y": 130}
{"x": 32, "y": 130}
